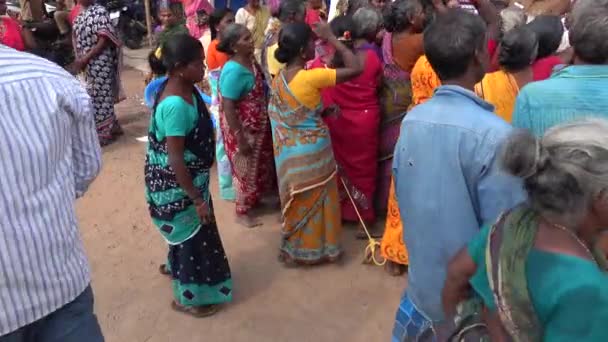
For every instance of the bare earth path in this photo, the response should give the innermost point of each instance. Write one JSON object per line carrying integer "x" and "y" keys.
{"x": 346, "y": 302}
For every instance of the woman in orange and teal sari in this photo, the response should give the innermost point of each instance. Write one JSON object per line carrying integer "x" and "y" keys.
{"x": 306, "y": 168}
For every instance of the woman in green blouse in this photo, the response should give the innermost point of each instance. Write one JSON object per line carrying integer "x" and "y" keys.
{"x": 537, "y": 269}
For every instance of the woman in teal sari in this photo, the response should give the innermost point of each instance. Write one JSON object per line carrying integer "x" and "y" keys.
{"x": 538, "y": 270}
{"x": 306, "y": 168}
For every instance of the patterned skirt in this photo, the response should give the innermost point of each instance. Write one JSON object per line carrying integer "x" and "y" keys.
{"x": 312, "y": 225}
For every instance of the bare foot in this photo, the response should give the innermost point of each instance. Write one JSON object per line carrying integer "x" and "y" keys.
{"x": 248, "y": 221}
{"x": 373, "y": 231}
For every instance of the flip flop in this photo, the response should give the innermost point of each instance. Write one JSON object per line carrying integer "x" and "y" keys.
{"x": 196, "y": 311}
{"x": 162, "y": 269}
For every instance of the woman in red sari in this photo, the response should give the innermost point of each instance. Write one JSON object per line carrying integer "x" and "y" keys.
{"x": 354, "y": 131}
{"x": 245, "y": 124}
{"x": 11, "y": 33}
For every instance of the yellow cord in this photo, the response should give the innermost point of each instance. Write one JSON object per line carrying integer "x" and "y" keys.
{"x": 370, "y": 249}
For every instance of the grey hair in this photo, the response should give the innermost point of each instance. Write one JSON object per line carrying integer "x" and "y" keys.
{"x": 512, "y": 17}
{"x": 564, "y": 170}
{"x": 366, "y": 22}
{"x": 589, "y": 31}
{"x": 230, "y": 35}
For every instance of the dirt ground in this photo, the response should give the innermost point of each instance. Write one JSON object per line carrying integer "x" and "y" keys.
{"x": 345, "y": 302}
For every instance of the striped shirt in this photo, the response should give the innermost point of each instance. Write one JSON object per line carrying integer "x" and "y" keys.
{"x": 49, "y": 153}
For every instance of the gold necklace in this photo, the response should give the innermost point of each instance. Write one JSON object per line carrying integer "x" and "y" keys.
{"x": 573, "y": 234}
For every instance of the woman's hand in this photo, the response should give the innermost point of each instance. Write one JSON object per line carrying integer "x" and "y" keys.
{"x": 202, "y": 210}
{"x": 323, "y": 31}
{"x": 78, "y": 66}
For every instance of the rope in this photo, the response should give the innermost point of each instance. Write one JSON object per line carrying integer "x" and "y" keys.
{"x": 373, "y": 245}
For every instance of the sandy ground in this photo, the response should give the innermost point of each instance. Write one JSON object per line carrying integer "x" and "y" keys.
{"x": 345, "y": 302}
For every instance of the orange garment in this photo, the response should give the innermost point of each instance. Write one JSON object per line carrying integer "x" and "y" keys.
{"x": 392, "y": 246}
{"x": 215, "y": 58}
{"x": 500, "y": 89}
{"x": 424, "y": 81}
{"x": 407, "y": 49}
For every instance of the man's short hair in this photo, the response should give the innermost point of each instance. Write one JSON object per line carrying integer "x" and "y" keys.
{"x": 451, "y": 41}
{"x": 589, "y": 31}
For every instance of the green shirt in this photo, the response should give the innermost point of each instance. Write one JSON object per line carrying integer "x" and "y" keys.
{"x": 236, "y": 81}
{"x": 569, "y": 294}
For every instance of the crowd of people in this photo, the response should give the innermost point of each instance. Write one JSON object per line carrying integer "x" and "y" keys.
{"x": 477, "y": 128}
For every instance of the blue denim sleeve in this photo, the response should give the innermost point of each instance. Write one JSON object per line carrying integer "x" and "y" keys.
{"x": 497, "y": 191}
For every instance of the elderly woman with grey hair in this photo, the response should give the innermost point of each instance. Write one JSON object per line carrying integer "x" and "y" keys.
{"x": 537, "y": 269}
{"x": 354, "y": 131}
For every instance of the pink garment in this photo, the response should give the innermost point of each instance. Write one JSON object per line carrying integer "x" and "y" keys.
{"x": 190, "y": 9}
{"x": 354, "y": 135}
{"x": 543, "y": 68}
{"x": 312, "y": 17}
{"x": 273, "y": 6}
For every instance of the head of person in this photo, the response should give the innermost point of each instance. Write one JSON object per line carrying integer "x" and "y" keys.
{"x": 219, "y": 19}
{"x": 355, "y": 5}
{"x": 253, "y": 3}
{"x": 455, "y": 44}
{"x": 565, "y": 172}
{"x": 167, "y": 17}
{"x": 512, "y": 17}
{"x": 402, "y": 15}
{"x": 589, "y": 31}
{"x": 342, "y": 27}
{"x": 549, "y": 31}
{"x": 367, "y": 22}
{"x": 292, "y": 11}
{"x": 236, "y": 40}
{"x": 182, "y": 57}
{"x": 518, "y": 49}
{"x": 379, "y": 4}
{"x": 296, "y": 44}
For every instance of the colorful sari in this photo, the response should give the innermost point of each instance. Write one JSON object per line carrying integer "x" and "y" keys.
{"x": 196, "y": 260}
{"x": 359, "y": 117}
{"x": 224, "y": 171}
{"x": 500, "y": 89}
{"x": 253, "y": 176}
{"x": 102, "y": 74}
{"x": 191, "y": 9}
{"x": 270, "y": 66}
{"x": 306, "y": 171}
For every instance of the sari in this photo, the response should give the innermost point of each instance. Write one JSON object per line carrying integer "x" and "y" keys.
{"x": 306, "y": 171}
{"x": 197, "y": 263}
{"x": 102, "y": 74}
{"x": 270, "y": 65}
{"x": 359, "y": 117}
{"x": 253, "y": 176}
{"x": 396, "y": 98}
{"x": 424, "y": 81}
{"x": 500, "y": 89}
{"x": 10, "y": 33}
{"x": 224, "y": 171}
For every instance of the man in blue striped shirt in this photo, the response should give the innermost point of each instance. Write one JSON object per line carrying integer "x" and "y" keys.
{"x": 50, "y": 154}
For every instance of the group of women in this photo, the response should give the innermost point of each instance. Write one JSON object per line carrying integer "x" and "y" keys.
{"x": 306, "y": 118}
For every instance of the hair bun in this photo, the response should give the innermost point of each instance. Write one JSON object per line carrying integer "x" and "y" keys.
{"x": 282, "y": 55}
{"x": 524, "y": 155}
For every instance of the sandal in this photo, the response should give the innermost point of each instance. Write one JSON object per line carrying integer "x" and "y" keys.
{"x": 196, "y": 311}
{"x": 162, "y": 269}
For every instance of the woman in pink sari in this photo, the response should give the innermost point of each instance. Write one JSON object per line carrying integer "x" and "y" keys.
{"x": 192, "y": 8}
{"x": 354, "y": 131}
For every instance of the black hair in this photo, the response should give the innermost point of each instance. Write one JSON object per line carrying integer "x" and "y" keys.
{"x": 354, "y": 5}
{"x": 215, "y": 18}
{"x": 180, "y": 50}
{"x": 230, "y": 35}
{"x": 518, "y": 49}
{"x": 397, "y": 14}
{"x": 293, "y": 38}
{"x": 452, "y": 40}
{"x": 339, "y": 25}
{"x": 288, "y": 8}
{"x": 549, "y": 31}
